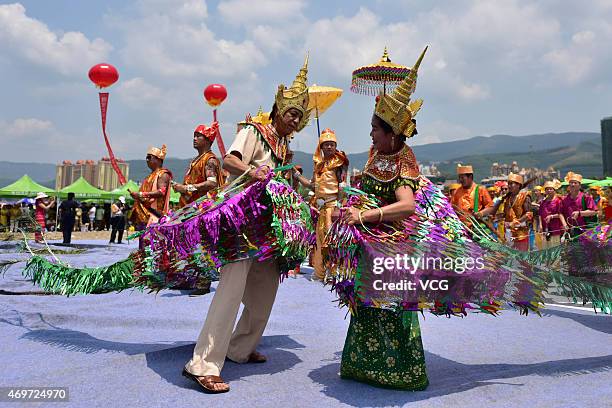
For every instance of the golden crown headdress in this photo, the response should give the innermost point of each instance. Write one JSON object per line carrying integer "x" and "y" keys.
{"x": 295, "y": 96}
{"x": 157, "y": 152}
{"x": 396, "y": 109}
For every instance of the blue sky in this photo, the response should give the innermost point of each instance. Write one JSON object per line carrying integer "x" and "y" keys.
{"x": 504, "y": 67}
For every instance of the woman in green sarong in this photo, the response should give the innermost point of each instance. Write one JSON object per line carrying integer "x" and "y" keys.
{"x": 383, "y": 347}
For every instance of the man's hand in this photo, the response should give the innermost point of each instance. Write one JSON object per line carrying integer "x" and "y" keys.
{"x": 260, "y": 173}
{"x": 179, "y": 188}
{"x": 548, "y": 218}
{"x": 575, "y": 215}
{"x": 134, "y": 195}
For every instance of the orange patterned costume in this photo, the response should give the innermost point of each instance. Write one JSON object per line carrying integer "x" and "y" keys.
{"x": 328, "y": 174}
{"x": 513, "y": 211}
{"x": 196, "y": 174}
{"x": 148, "y": 210}
{"x": 463, "y": 199}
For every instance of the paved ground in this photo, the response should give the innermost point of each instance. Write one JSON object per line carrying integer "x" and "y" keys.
{"x": 127, "y": 349}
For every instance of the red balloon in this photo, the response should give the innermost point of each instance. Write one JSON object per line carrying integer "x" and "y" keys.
{"x": 215, "y": 94}
{"x": 103, "y": 75}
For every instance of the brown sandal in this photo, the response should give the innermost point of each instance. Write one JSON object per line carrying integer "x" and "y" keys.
{"x": 257, "y": 357}
{"x": 207, "y": 382}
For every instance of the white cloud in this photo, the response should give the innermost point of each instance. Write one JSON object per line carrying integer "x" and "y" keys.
{"x": 248, "y": 12}
{"x": 137, "y": 93}
{"x": 472, "y": 92}
{"x": 180, "y": 9}
{"x": 34, "y": 139}
{"x": 354, "y": 41}
{"x": 575, "y": 62}
{"x": 21, "y": 127}
{"x": 69, "y": 53}
{"x": 169, "y": 46}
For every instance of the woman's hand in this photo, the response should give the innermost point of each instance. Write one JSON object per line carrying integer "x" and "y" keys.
{"x": 351, "y": 215}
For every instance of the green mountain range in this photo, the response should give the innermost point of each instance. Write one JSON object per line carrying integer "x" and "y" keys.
{"x": 576, "y": 151}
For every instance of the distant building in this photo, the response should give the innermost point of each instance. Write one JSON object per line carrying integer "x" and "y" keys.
{"x": 85, "y": 169}
{"x": 606, "y": 145}
{"x": 501, "y": 171}
{"x": 429, "y": 170}
{"x": 63, "y": 174}
{"x": 100, "y": 175}
{"x": 106, "y": 177}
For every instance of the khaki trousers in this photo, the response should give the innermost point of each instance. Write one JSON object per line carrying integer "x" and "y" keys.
{"x": 249, "y": 282}
{"x": 323, "y": 225}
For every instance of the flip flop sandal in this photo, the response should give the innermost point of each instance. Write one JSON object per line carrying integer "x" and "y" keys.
{"x": 207, "y": 382}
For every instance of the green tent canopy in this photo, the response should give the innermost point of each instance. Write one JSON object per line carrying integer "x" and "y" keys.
{"x": 82, "y": 189}
{"x": 24, "y": 187}
{"x": 133, "y": 186}
{"x": 123, "y": 190}
{"x": 602, "y": 183}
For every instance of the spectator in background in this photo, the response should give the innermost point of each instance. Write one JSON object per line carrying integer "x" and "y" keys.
{"x": 4, "y": 216}
{"x": 15, "y": 214}
{"x": 107, "y": 216}
{"x": 42, "y": 205}
{"x": 99, "y": 224}
{"x": 78, "y": 219}
{"x": 595, "y": 193}
{"x": 552, "y": 222}
{"x": 577, "y": 207}
{"x": 68, "y": 213}
{"x": 92, "y": 217}
{"x": 606, "y": 207}
{"x": 117, "y": 220}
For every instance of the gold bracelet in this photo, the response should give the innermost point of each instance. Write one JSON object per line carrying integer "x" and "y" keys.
{"x": 361, "y": 219}
{"x": 380, "y": 217}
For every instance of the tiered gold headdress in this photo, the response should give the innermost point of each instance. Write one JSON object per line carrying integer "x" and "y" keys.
{"x": 327, "y": 135}
{"x": 396, "y": 109}
{"x": 295, "y": 97}
{"x": 159, "y": 153}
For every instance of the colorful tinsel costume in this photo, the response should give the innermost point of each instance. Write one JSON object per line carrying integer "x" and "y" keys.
{"x": 273, "y": 221}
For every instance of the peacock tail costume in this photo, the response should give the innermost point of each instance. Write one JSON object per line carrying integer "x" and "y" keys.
{"x": 261, "y": 220}
{"x": 385, "y": 273}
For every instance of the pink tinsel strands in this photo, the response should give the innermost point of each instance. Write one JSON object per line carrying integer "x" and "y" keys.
{"x": 259, "y": 220}
{"x": 435, "y": 233}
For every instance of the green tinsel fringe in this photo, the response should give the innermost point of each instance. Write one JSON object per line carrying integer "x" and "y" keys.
{"x": 581, "y": 290}
{"x": 66, "y": 280}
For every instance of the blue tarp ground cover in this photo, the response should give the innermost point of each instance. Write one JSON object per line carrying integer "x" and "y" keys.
{"x": 128, "y": 349}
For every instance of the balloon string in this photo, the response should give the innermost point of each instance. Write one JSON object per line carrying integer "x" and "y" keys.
{"x": 114, "y": 165}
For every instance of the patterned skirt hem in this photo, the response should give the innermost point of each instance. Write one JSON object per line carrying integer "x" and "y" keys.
{"x": 418, "y": 385}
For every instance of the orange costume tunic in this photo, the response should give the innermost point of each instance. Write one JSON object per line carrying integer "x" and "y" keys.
{"x": 463, "y": 199}
{"x": 141, "y": 212}
{"x": 326, "y": 184}
{"x": 513, "y": 212}
{"x": 196, "y": 174}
